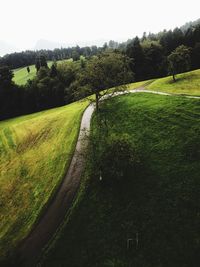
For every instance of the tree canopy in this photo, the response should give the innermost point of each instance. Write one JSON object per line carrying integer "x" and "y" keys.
{"x": 109, "y": 69}
{"x": 179, "y": 60}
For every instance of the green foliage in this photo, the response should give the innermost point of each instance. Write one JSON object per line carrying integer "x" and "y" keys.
{"x": 196, "y": 56}
{"x": 6, "y": 76}
{"x": 75, "y": 55}
{"x": 41, "y": 62}
{"x": 28, "y": 69}
{"x": 53, "y": 71}
{"x": 124, "y": 165}
{"x": 155, "y": 60}
{"x": 67, "y": 72}
{"x": 109, "y": 69}
{"x": 9, "y": 94}
{"x": 135, "y": 52}
{"x": 179, "y": 60}
{"x": 46, "y": 89}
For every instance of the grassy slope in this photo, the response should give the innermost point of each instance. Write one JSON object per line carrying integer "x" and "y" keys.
{"x": 21, "y": 75}
{"x": 136, "y": 85}
{"x": 35, "y": 152}
{"x": 162, "y": 207}
{"x": 187, "y": 83}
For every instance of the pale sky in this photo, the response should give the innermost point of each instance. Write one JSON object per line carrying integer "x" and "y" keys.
{"x": 23, "y": 22}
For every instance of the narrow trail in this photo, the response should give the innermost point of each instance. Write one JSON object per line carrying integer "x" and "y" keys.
{"x": 31, "y": 247}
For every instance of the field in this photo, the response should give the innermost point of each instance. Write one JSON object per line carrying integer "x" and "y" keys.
{"x": 157, "y": 209}
{"x": 21, "y": 76}
{"x": 35, "y": 153}
{"x": 187, "y": 83}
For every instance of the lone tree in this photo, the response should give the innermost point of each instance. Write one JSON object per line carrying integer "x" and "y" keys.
{"x": 28, "y": 69}
{"x": 53, "y": 71}
{"x": 179, "y": 60}
{"x": 108, "y": 70}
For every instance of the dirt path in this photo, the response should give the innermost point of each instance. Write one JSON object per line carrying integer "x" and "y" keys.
{"x": 142, "y": 89}
{"x": 31, "y": 248}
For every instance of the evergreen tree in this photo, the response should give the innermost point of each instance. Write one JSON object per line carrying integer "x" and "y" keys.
{"x": 6, "y": 76}
{"x": 28, "y": 69}
{"x": 43, "y": 61}
{"x": 53, "y": 71}
{"x": 37, "y": 64}
{"x": 135, "y": 52}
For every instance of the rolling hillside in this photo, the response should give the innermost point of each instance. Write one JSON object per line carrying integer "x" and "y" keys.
{"x": 187, "y": 84}
{"x": 21, "y": 76}
{"x": 35, "y": 153}
{"x": 154, "y": 206}
{"x": 36, "y": 150}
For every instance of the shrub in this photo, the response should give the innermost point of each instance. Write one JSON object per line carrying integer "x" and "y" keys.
{"x": 119, "y": 160}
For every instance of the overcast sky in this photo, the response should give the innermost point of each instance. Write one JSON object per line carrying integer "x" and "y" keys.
{"x": 23, "y": 22}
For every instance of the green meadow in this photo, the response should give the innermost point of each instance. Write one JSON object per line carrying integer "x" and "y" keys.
{"x": 187, "y": 84}
{"x": 21, "y": 76}
{"x": 156, "y": 207}
{"x": 35, "y": 154}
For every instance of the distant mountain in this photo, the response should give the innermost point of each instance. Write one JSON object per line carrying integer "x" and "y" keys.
{"x": 46, "y": 44}
{"x": 6, "y": 48}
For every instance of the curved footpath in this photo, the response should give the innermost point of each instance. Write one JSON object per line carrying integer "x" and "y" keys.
{"x": 31, "y": 247}
{"x": 30, "y": 250}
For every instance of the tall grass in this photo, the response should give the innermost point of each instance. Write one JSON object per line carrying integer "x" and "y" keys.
{"x": 35, "y": 153}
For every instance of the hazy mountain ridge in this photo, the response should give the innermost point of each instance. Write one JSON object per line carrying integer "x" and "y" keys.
{"x": 46, "y": 44}
{"x": 6, "y": 48}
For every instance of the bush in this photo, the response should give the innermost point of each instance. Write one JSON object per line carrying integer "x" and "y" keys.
{"x": 119, "y": 161}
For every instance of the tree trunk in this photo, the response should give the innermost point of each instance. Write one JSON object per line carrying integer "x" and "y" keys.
{"x": 174, "y": 78}
{"x": 97, "y": 102}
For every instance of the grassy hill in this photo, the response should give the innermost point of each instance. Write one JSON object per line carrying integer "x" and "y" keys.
{"x": 21, "y": 76}
{"x": 158, "y": 205}
{"x": 187, "y": 83}
{"x": 35, "y": 153}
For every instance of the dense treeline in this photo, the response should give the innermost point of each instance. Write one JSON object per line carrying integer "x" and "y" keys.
{"x": 151, "y": 51}
{"x": 47, "y": 90}
{"x": 23, "y": 59}
{"x": 62, "y": 84}
{"x": 153, "y": 55}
